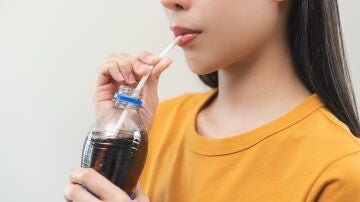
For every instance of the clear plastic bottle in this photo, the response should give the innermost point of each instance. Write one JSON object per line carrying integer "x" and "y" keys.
{"x": 118, "y": 155}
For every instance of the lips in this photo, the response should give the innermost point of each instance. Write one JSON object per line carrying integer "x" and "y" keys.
{"x": 187, "y": 33}
{"x": 183, "y": 31}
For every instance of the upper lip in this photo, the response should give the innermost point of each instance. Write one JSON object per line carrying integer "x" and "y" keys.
{"x": 183, "y": 30}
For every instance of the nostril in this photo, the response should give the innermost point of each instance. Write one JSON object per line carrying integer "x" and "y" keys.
{"x": 179, "y": 7}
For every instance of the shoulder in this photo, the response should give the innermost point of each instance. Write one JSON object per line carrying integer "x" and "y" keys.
{"x": 339, "y": 181}
{"x": 329, "y": 134}
{"x": 333, "y": 147}
{"x": 338, "y": 130}
{"x": 333, "y": 120}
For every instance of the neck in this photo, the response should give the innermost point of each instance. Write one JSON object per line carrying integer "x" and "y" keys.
{"x": 261, "y": 88}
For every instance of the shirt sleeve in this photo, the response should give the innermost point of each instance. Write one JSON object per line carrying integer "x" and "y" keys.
{"x": 339, "y": 182}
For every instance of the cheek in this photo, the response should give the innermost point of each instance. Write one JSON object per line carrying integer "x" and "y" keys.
{"x": 248, "y": 30}
{"x": 233, "y": 36}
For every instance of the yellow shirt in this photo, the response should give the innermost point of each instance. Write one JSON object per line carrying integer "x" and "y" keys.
{"x": 305, "y": 155}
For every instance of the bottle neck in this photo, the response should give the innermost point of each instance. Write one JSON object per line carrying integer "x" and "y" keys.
{"x": 122, "y": 105}
{"x": 127, "y": 97}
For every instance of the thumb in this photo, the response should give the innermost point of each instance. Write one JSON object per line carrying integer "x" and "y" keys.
{"x": 152, "y": 82}
{"x": 163, "y": 64}
{"x": 159, "y": 64}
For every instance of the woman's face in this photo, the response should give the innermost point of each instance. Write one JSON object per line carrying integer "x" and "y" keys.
{"x": 231, "y": 30}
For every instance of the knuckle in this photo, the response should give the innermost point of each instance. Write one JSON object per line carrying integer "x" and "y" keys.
{"x": 123, "y": 64}
{"x": 109, "y": 57}
{"x": 123, "y": 55}
{"x": 116, "y": 57}
{"x": 112, "y": 55}
{"x": 70, "y": 191}
{"x": 81, "y": 175}
{"x": 103, "y": 67}
{"x": 111, "y": 66}
{"x": 73, "y": 171}
{"x": 107, "y": 66}
{"x": 85, "y": 174}
{"x": 145, "y": 52}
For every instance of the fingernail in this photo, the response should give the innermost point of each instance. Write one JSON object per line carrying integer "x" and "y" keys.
{"x": 120, "y": 78}
{"x": 149, "y": 58}
{"x": 141, "y": 67}
{"x": 131, "y": 78}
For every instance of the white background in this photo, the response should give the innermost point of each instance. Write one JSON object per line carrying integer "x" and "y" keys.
{"x": 50, "y": 52}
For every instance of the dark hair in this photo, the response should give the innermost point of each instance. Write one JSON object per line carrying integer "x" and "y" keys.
{"x": 316, "y": 45}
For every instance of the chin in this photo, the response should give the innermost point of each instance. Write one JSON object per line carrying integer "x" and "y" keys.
{"x": 199, "y": 67}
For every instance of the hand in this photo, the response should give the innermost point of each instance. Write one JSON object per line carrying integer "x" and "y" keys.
{"x": 99, "y": 185}
{"x": 125, "y": 69}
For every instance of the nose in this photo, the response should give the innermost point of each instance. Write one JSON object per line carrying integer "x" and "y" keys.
{"x": 176, "y": 5}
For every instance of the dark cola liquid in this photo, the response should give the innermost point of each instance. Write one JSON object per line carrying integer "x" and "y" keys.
{"x": 121, "y": 160}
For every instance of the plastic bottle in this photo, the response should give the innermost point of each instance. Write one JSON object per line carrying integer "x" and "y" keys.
{"x": 118, "y": 154}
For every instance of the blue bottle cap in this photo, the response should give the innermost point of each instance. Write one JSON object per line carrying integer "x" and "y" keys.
{"x": 128, "y": 99}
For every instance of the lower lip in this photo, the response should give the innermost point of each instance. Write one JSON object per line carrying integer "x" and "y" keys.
{"x": 187, "y": 38}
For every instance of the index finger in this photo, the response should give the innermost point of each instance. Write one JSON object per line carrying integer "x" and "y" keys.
{"x": 148, "y": 58}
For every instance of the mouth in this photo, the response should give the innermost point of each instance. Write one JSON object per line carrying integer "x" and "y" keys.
{"x": 187, "y": 34}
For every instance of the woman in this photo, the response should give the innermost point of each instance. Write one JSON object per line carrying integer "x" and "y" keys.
{"x": 280, "y": 124}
